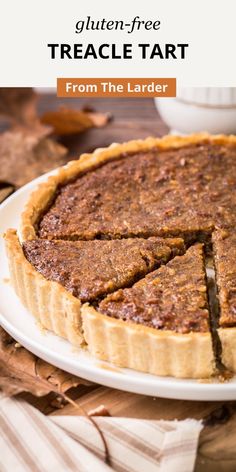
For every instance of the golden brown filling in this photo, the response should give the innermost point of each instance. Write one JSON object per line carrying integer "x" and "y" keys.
{"x": 173, "y": 297}
{"x": 182, "y": 191}
{"x": 91, "y": 269}
{"x": 224, "y": 246}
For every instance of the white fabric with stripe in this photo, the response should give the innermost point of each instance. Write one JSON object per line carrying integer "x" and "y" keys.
{"x": 33, "y": 442}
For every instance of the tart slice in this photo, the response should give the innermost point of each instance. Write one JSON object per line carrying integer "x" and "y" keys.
{"x": 224, "y": 247}
{"x": 53, "y": 278}
{"x": 92, "y": 269}
{"x": 160, "y": 325}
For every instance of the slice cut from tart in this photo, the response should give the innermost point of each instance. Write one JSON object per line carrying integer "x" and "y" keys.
{"x": 53, "y": 278}
{"x": 224, "y": 249}
{"x": 160, "y": 325}
{"x": 91, "y": 269}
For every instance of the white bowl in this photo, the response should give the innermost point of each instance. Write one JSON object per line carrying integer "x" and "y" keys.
{"x": 200, "y": 109}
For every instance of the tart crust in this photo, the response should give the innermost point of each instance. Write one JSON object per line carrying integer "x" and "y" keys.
{"x": 50, "y": 303}
{"x": 147, "y": 349}
{"x": 228, "y": 343}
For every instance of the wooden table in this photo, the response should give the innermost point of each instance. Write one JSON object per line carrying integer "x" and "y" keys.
{"x": 132, "y": 119}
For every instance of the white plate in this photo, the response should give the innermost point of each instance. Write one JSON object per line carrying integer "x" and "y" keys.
{"x": 21, "y": 325}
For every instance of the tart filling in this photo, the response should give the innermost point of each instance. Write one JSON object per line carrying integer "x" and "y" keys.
{"x": 174, "y": 297}
{"x": 157, "y": 192}
{"x": 91, "y": 269}
{"x": 224, "y": 244}
{"x": 224, "y": 247}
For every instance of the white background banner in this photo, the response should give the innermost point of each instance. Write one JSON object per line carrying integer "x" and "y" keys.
{"x": 207, "y": 26}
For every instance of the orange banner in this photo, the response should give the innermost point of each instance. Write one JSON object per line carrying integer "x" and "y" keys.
{"x": 116, "y": 87}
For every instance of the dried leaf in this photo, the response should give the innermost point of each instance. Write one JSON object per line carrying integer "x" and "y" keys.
{"x": 21, "y": 371}
{"x": 66, "y": 121}
{"x": 19, "y": 104}
{"x": 25, "y": 154}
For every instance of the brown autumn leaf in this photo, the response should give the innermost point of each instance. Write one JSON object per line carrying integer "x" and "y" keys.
{"x": 66, "y": 121}
{"x": 19, "y": 105}
{"x": 22, "y": 371}
{"x": 25, "y": 154}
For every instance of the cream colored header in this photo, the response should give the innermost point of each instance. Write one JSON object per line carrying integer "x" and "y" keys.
{"x": 192, "y": 41}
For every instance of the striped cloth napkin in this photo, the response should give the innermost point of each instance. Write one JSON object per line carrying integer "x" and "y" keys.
{"x": 33, "y": 442}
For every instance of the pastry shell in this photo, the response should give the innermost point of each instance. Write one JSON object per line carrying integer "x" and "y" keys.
{"x": 228, "y": 343}
{"x": 50, "y": 303}
{"x": 139, "y": 347}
